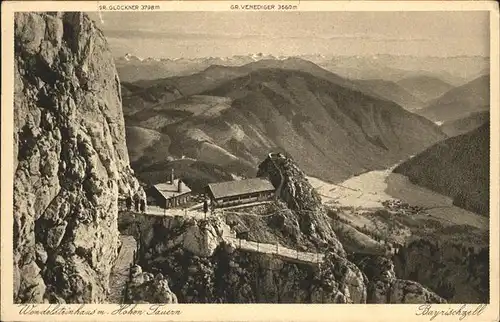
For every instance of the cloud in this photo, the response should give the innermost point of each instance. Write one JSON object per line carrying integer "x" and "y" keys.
{"x": 376, "y": 37}
{"x": 151, "y": 34}
{"x": 134, "y": 34}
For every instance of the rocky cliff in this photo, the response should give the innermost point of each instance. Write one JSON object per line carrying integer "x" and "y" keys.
{"x": 200, "y": 265}
{"x": 71, "y": 160}
{"x": 307, "y": 211}
{"x": 384, "y": 287}
{"x": 203, "y": 267}
{"x": 456, "y": 271}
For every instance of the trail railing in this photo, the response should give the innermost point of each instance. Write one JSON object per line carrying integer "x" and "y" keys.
{"x": 277, "y": 249}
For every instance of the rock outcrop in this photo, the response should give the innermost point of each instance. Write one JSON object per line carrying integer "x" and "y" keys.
{"x": 384, "y": 287}
{"x": 71, "y": 159}
{"x": 342, "y": 278}
{"x": 231, "y": 275}
{"x": 148, "y": 288}
{"x": 301, "y": 198}
{"x": 205, "y": 268}
{"x": 457, "y": 272}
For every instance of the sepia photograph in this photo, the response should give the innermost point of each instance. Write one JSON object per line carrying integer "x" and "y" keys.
{"x": 250, "y": 156}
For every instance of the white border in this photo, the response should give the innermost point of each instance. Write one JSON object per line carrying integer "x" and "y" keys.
{"x": 249, "y": 312}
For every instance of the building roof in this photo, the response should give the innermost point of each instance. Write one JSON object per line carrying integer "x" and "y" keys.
{"x": 240, "y": 187}
{"x": 169, "y": 190}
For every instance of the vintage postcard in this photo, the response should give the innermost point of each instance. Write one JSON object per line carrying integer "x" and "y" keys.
{"x": 250, "y": 161}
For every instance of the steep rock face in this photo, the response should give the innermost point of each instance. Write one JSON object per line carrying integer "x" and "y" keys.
{"x": 384, "y": 287}
{"x": 234, "y": 276}
{"x": 71, "y": 161}
{"x": 401, "y": 292}
{"x": 337, "y": 273}
{"x": 305, "y": 203}
{"x": 457, "y": 272}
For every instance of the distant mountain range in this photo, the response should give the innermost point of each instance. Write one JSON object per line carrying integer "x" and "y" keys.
{"x": 452, "y": 70}
{"x": 216, "y": 74}
{"x": 231, "y": 117}
{"x": 457, "y": 167}
{"x": 459, "y": 102}
{"x": 132, "y": 68}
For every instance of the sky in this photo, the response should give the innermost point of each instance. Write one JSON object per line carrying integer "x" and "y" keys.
{"x": 221, "y": 34}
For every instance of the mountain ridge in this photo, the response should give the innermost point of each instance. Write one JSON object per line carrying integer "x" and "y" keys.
{"x": 465, "y": 124}
{"x": 425, "y": 87}
{"x": 387, "y": 67}
{"x": 457, "y": 167}
{"x": 242, "y": 119}
{"x": 456, "y": 103}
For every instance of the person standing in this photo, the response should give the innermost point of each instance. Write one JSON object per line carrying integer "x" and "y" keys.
{"x": 128, "y": 203}
{"x": 205, "y": 207}
{"x": 136, "y": 205}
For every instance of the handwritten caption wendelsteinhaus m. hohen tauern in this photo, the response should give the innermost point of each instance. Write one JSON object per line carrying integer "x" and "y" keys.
{"x": 85, "y": 310}
{"x": 427, "y": 311}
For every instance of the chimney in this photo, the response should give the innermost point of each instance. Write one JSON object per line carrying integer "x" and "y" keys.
{"x": 179, "y": 186}
{"x": 172, "y": 177}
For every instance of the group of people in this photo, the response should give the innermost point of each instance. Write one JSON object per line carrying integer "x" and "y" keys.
{"x": 138, "y": 201}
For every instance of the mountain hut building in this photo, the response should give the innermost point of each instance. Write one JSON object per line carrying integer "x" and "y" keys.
{"x": 171, "y": 194}
{"x": 232, "y": 193}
